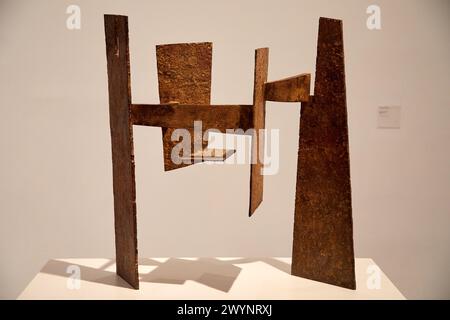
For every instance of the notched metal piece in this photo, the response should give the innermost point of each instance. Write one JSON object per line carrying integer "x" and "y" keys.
{"x": 184, "y": 76}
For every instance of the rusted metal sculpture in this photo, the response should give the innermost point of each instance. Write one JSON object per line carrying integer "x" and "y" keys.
{"x": 323, "y": 235}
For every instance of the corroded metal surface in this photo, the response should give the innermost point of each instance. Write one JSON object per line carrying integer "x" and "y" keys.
{"x": 292, "y": 89}
{"x": 183, "y": 116}
{"x": 323, "y": 231}
{"x": 184, "y": 76}
{"x": 259, "y": 118}
{"x": 116, "y": 33}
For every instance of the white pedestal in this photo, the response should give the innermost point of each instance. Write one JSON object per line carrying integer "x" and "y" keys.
{"x": 199, "y": 278}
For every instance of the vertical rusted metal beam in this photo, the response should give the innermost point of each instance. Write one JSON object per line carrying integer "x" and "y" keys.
{"x": 117, "y": 53}
{"x": 259, "y": 118}
{"x": 323, "y": 228}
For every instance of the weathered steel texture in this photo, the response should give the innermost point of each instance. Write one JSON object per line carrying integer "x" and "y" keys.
{"x": 259, "y": 118}
{"x": 116, "y": 34}
{"x": 183, "y": 116}
{"x": 292, "y": 89}
{"x": 323, "y": 229}
{"x": 184, "y": 76}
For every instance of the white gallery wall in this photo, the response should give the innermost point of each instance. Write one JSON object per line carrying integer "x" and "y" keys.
{"x": 55, "y": 166}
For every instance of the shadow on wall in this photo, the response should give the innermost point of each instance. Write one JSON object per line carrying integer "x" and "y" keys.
{"x": 211, "y": 272}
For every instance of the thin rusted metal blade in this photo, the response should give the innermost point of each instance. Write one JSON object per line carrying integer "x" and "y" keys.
{"x": 259, "y": 118}
{"x": 184, "y": 76}
{"x": 213, "y": 155}
{"x": 323, "y": 228}
{"x": 116, "y": 34}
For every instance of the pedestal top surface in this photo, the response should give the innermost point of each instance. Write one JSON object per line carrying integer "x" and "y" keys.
{"x": 200, "y": 278}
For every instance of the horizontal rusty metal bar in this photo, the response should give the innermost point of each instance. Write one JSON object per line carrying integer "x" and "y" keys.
{"x": 293, "y": 89}
{"x": 219, "y": 117}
